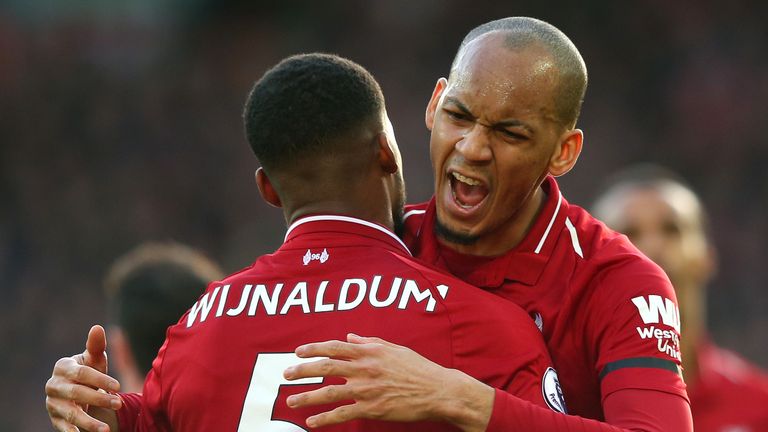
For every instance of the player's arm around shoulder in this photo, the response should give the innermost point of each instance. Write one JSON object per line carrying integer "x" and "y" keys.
{"x": 391, "y": 382}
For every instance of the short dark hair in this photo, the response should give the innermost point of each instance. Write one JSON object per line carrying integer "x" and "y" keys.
{"x": 150, "y": 288}
{"x": 648, "y": 176}
{"x": 643, "y": 175}
{"x": 523, "y": 32}
{"x": 304, "y": 104}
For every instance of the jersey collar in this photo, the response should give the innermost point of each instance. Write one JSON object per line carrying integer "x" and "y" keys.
{"x": 524, "y": 263}
{"x": 344, "y": 224}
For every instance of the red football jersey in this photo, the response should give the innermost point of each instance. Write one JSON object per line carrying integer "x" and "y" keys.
{"x": 609, "y": 315}
{"x": 221, "y": 366}
{"x": 729, "y": 394}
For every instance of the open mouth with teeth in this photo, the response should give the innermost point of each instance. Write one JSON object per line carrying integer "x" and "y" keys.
{"x": 468, "y": 193}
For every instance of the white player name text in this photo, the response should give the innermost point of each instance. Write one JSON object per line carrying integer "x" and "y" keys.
{"x": 402, "y": 294}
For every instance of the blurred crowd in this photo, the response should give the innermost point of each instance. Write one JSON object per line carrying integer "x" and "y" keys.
{"x": 122, "y": 123}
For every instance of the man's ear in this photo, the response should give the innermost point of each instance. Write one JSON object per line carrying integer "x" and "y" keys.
{"x": 437, "y": 93}
{"x": 386, "y": 154}
{"x": 566, "y": 153}
{"x": 266, "y": 189}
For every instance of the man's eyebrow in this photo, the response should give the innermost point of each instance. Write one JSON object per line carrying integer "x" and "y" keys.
{"x": 498, "y": 125}
{"x": 463, "y": 108}
{"x": 514, "y": 123}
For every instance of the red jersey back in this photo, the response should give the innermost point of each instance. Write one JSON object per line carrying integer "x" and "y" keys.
{"x": 221, "y": 365}
{"x": 608, "y": 314}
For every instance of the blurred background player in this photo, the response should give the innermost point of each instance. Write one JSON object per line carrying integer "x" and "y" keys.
{"x": 147, "y": 290}
{"x": 665, "y": 219}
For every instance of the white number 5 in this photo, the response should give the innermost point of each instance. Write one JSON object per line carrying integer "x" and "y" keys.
{"x": 262, "y": 392}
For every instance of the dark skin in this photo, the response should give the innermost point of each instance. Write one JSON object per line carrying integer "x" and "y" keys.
{"x": 495, "y": 128}
{"x": 355, "y": 182}
{"x": 509, "y": 148}
{"x": 73, "y": 395}
{"x": 495, "y": 122}
{"x": 373, "y": 190}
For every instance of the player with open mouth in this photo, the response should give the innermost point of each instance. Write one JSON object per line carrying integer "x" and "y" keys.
{"x": 467, "y": 193}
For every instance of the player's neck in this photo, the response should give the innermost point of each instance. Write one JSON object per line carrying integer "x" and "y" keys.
{"x": 351, "y": 208}
{"x": 508, "y": 235}
{"x": 365, "y": 197}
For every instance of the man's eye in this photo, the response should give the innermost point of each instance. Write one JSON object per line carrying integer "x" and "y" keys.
{"x": 514, "y": 135}
{"x": 671, "y": 229}
{"x": 456, "y": 115}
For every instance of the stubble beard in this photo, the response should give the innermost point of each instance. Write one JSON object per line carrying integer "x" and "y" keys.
{"x": 454, "y": 237}
{"x": 398, "y": 209}
{"x": 399, "y": 222}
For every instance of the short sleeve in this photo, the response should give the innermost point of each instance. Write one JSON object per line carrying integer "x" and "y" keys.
{"x": 635, "y": 328}
{"x": 129, "y": 412}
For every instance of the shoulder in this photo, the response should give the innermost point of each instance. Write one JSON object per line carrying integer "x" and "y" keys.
{"x": 462, "y": 295}
{"x": 491, "y": 315}
{"x": 631, "y": 304}
{"x": 227, "y": 280}
{"x": 236, "y": 275}
{"x": 612, "y": 264}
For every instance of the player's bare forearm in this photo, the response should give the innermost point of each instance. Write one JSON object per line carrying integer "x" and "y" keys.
{"x": 389, "y": 382}
{"x": 468, "y": 403}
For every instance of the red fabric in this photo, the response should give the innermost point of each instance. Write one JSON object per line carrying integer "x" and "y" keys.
{"x": 129, "y": 412}
{"x": 630, "y": 410}
{"x": 591, "y": 291}
{"x": 728, "y": 394}
{"x": 202, "y": 375}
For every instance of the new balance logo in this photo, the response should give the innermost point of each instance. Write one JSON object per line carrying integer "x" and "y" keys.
{"x": 657, "y": 308}
{"x": 539, "y": 321}
{"x": 309, "y": 256}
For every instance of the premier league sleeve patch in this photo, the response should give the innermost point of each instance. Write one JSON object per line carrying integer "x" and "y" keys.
{"x": 551, "y": 391}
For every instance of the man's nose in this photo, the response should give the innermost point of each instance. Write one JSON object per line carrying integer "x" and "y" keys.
{"x": 475, "y": 145}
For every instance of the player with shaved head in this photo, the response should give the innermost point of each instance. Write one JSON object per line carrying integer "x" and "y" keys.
{"x": 503, "y": 126}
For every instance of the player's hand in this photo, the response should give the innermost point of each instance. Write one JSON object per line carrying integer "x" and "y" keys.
{"x": 388, "y": 382}
{"x": 75, "y": 386}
